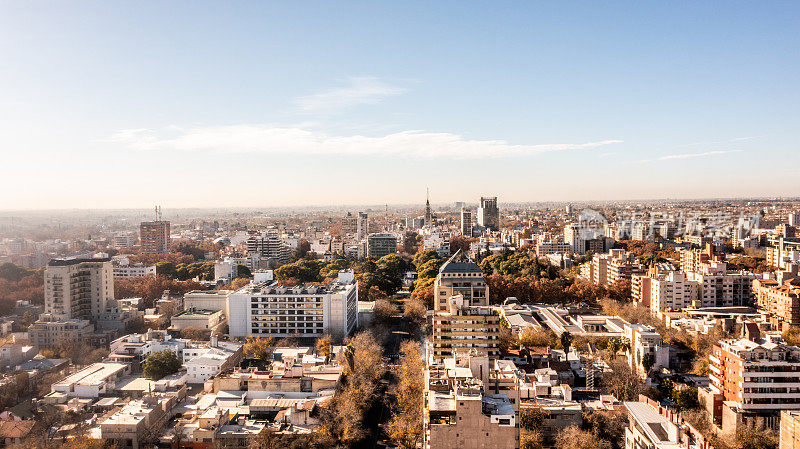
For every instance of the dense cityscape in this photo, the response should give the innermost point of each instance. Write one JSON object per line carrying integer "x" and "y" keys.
{"x": 471, "y": 324}
{"x": 399, "y": 225}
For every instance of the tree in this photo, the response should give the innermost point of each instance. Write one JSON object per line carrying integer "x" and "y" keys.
{"x": 685, "y": 399}
{"x": 240, "y": 282}
{"x": 623, "y": 382}
{"x": 530, "y": 418}
{"x": 259, "y": 348}
{"x": 324, "y": 346}
{"x": 574, "y": 438}
{"x": 160, "y": 364}
{"x": 195, "y": 333}
{"x": 566, "y": 340}
{"x": 648, "y": 361}
{"x": 405, "y": 426}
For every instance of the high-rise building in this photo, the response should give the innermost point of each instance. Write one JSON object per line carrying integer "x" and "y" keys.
{"x": 268, "y": 246}
{"x": 794, "y": 219}
{"x": 362, "y": 226}
{"x": 349, "y": 227}
{"x": 607, "y": 269}
{"x": 779, "y": 302}
{"x": 381, "y": 244}
{"x": 269, "y": 309}
{"x": 460, "y": 276}
{"x": 466, "y": 222}
{"x": 155, "y": 237}
{"x": 78, "y": 288}
{"x": 488, "y": 213}
{"x": 463, "y": 328}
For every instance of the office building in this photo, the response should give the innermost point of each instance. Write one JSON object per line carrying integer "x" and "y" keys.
{"x": 78, "y": 288}
{"x": 381, "y": 244}
{"x": 155, "y": 237}
{"x": 268, "y": 309}
{"x": 460, "y": 276}
{"x": 489, "y": 213}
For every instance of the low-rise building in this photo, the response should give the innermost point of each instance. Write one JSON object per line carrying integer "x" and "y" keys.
{"x": 198, "y": 319}
{"x": 48, "y": 332}
{"x": 93, "y": 381}
{"x": 138, "y": 421}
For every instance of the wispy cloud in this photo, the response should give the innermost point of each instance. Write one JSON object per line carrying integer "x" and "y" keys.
{"x": 361, "y": 90}
{"x": 720, "y": 142}
{"x": 273, "y": 139}
{"x": 694, "y": 155}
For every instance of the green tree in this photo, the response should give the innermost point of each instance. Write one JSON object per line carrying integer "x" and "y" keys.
{"x": 160, "y": 364}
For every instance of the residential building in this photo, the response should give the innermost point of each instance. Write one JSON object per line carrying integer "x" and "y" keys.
{"x": 362, "y": 226}
{"x": 489, "y": 213}
{"x": 155, "y": 237}
{"x": 137, "y": 420}
{"x": 783, "y": 251}
{"x": 719, "y": 287}
{"x": 460, "y": 414}
{"x": 649, "y": 428}
{"x": 268, "y": 246}
{"x": 226, "y": 270}
{"x": 459, "y": 275}
{"x": 466, "y": 222}
{"x": 779, "y": 303}
{"x": 124, "y": 240}
{"x": 78, "y": 288}
{"x": 465, "y": 328}
{"x": 607, "y": 269}
{"x": 122, "y": 268}
{"x": 269, "y": 309}
{"x": 47, "y": 332}
{"x": 381, "y": 244}
{"x": 752, "y": 380}
{"x": 789, "y": 436}
{"x": 671, "y": 291}
{"x": 645, "y": 343}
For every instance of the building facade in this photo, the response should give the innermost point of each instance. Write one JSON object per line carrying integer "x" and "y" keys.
{"x": 155, "y": 237}
{"x": 269, "y": 309}
{"x": 78, "y": 288}
{"x": 489, "y": 213}
{"x": 460, "y": 276}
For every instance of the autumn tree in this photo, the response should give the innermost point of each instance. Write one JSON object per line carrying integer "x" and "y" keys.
{"x": 259, "y": 348}
{"x": 574, "y": 438}
{"x": 405, "y": 426}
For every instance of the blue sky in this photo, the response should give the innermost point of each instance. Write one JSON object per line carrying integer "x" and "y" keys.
{"x": 127, "y": 104}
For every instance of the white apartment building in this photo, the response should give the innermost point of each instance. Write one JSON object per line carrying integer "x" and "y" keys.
{"x": 268, "y": 309}
{"x": 78, "y": 288}
{"x": 671, "y": 291}
{"x": 226, "y": 271}
{"x": 124, "y": 240}
{"x": 44, "y": 333}
{"x": 91, "y": 382}
{"x": 783, "y": 251}
{"x": 122, "y": 268}
{"x": 645, "y": 340}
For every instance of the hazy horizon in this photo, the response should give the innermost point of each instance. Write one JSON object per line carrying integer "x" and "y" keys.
{"x": 116, "y": 105}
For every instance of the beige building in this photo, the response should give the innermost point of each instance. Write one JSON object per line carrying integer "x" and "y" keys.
{"x": 790, "y": 429}
{"x": 463, "y": 328}
{"x": 78, "y": 288}
{"x": 460, "y": 276}
{"x": 138, "y": 422}
{"x": 607, "y": 269}
{"x": 44, "y": 333}
{"x": 459, "y": 414}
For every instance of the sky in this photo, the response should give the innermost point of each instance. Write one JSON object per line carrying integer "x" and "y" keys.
{"x": 258, "y": 104}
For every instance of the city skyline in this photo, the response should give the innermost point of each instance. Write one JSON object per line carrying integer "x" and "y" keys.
{"x": 532, "y": 103}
